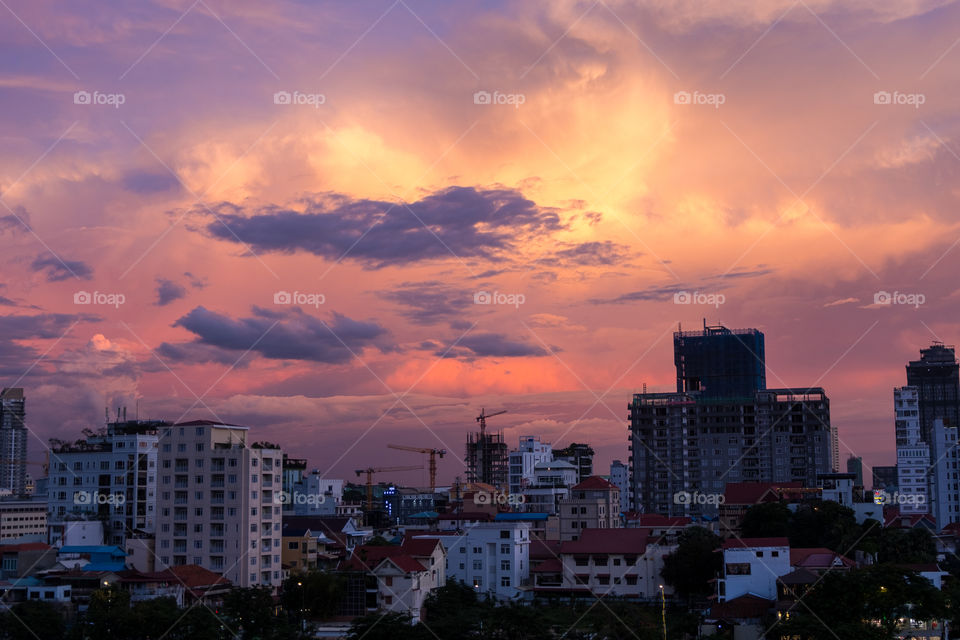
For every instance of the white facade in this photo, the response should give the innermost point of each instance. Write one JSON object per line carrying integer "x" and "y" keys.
{"x": 216, "y": 503}
{"x": 524, "y": 459}
{"x": 945, "y": 486}
{"x": 913, "y": 455}
{"x": 620, "y": 476}
{"x": 752, "y": 566}
{"x": 493, "y": 558}
{"x": 23, "y": 518}
{"x": 317, "y": 496}
{"x": 111, "y": 475}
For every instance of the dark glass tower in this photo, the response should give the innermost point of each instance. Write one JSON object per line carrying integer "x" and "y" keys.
{"x": 937, "y": 377}
{"x": 720, "y": 362}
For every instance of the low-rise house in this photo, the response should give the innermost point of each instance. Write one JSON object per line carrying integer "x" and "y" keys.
{"x": 92, "y": 558}
{"x": 751, "y": 566}
{"x": 187, "y": 584}
{"x": 658, "y": 526}
{"x": 623, "y": 563}
{"x": 21, "y": 560}
{"x": 738, "y": 497}
{"x": 592, "y": 504}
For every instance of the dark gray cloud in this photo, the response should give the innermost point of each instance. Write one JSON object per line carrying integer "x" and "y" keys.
{"x": 7, "y": 302}
{"x": 759, "y": 271}
{"x": 429, "y": 303}
{"x": 290, "y": 334}
{"x": 461, "y": 221}
{"x": 146, "y": 183}
{"x": 16, "y": 358}
{"x": 590, "y": 254}
{"x": 56, "y": 269}
{"x": 168, "y": 291}
{"x": 495, "y": 345}
{"x": 14, "y": 221}
{"x": 659, "y": 294}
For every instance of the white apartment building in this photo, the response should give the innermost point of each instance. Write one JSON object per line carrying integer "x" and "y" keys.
{"x": 317, "y": 496}
{"x": 620, "y": 476}
{"x": 216, "y": 502}
{"x": 944, "y": 481}
{"x": 19, "y": 518}
{"x": 913, "y": 454}
{"x": 522, "y": 460}
{"x": 110, "y": 475}
{"x": 551, "y": 484}
{"x": 492, "y": 557}
{"x": 751, "y": 566}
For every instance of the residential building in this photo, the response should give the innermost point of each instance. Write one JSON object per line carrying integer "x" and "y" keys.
{"x": 620, "y": 476}
{"x": 23, "y": 518}
{"x": 393, "y": 578}
{"x": 719, "y": 363}
{"x": 523, "y": 460}
{"x": 738, "y": 497}
{"x": 936, "y": 376}
{"x": 657, "y": 526}
{"x": 943, "y": 474}
{"x": 592, "y": 504}
{"x": 885, "y": 478}
{"x": 13, "y": 441}
{"x": 689, "y": 444}
{"x": 492, "y": 558}
{"x": 855, "y": 466}
{"x": 840, "y": 488}
{"x": 216, "y": 502}
{"x": 551, "y": 483}
{"x": 186, "y": 584}
{"x": 294, "y": 470}
{"x": 913, "y": 453}
{"x": 405, "y": 504}
{"x": 21, "y": 560}
{"x": 580, "y": 456}
{"x": 751, "y": 566}
{"x": 318, "y": 496}
{"x": 109, "y": 476}
{"x": 624, "y": 563}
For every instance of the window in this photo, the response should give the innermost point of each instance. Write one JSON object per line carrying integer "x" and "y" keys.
{"x": 387, "y": 599}
{"x": 759, "y": 554}
{"x": 775, "y": 554}
{"x": 505, "y": 548}
{"x": 388, "y": 581}
{"x": 504, "y": 565}
{"x": 505, "y": 581}
{"x": 505, "y": 534}
{"x": 738, "y": 569}
{"x": 477, "y": 565}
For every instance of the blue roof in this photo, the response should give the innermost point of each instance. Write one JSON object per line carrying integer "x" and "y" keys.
{"x": 425, "y": 514}
{"x": 521, "y": 517}
{"x": 104, "y": 566}
{"x": 94, "y": 548}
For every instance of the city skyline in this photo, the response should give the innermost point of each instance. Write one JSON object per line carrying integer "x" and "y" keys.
{"x": 347, "y": 226}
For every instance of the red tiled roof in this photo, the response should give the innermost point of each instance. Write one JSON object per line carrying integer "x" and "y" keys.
{"x": 553, "y": 565}
{"x": 750, "y": 543}
{"x": 420, "y": 547}
{"x": 26, "y": 546}
{"x": 405, "y": 562}
{"x": 893, "y": 518}
{"x": 745, "y": 607}
{"x": 542, "y": 549}
{"x": 594, "y": 482}
{"x": 817, "y": 558}
{"x": 599, "y": 541}
{"x": 953, "y": 527}
{"x": 930, "y": 567}
{"x": 754, "y": 492}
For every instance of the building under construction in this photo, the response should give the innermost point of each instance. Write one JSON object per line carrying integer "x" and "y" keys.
{"x": 487, "y": 456}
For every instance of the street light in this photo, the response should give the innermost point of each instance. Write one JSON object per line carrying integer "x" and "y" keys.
{"x": 663, "y": 611}
{"x": 303, "y": 622}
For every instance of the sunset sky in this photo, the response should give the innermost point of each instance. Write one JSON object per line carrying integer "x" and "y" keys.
{"x": 786, "y": 164}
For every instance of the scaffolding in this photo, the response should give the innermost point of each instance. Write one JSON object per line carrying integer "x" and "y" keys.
{"x": 487, "y": 459}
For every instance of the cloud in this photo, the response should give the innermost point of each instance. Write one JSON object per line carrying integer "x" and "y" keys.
{"x": 287, "y": 335}
{"x": 15, "y": 220}
{"x": 837, "y": 303}
{"x": 551, "y": 321}
{"x": 146, "y": 183}
{"x": 429, "y": 303}
{"x": 459, "y": 221}
{"x": 495, "y": 345}
{"x": 57, "y": 270}
{"x": 658, "y": 294}
{"x": 168, "y": 291}
{"x": 590, "y": 254}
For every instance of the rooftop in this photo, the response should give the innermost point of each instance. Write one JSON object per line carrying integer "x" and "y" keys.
{"x": 754, "y": 543}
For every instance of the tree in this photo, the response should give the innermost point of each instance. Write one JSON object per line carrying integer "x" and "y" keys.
{"x": 824, "y": 524}
{"x": 32, "y": 620}
{"x": 109, "y": 615}
{"x": 690, "y": 568}
{"x": 766, "y": 520}
{"x": 908, "y": 546}
{"x": 386, "y": 626}
{"x": 251, "y": 610}
{"x": 317, "y": 592}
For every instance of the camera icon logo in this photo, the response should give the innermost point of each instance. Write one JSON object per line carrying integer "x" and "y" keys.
{"x": 682, "y": 497}
{"x": 481, "y": 498}
{"x": 682, "y": 297}
{"x": 482, "y": 297}
{"x": 681, "y": 97}
{"x": 282, "y": 297}
{"x": 882, "y": 97}
{"x": 282, "y": 97}
{"x": 482, "y": 97}
{"x": 282, "y": 497}
{"x": 82, "y": 497}
{"x": 882, "y": 297}
{"x": 81, "y": 97}
{"x": 82, "y": 297}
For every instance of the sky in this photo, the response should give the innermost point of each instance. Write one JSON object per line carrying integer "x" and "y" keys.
{"x": 346, "y": 225}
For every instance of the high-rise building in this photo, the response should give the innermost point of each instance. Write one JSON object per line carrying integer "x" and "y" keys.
{"x": 885, "y": 478}
{"x": 686, "y": 446}
{"x": 913, "y": 454}
{"x": 579, "y": 455}
{"x": 936, "y": 375}
{"x": 216, "y": 503}
{"x": 528, "y": 454}
{"x": 620, "y": 476}
{"x": 109, "y": 476}
{"x": 855, "y": 466}
{"x": 720, "y": 363}
{"x": 944, "y": 489}
{"x": 13, "y": 441}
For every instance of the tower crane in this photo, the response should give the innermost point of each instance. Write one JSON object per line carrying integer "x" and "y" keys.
{"x": 482, "y": 419}
{"x": 433, "y": 459}
{"x": 372, "y": 470}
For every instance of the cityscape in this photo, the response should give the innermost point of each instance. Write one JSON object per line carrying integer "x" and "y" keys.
{"x": 541, "y": 320}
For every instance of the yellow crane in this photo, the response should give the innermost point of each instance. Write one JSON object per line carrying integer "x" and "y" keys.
{"x": 433, "y": 459}
{"x": 372, "y": 470}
